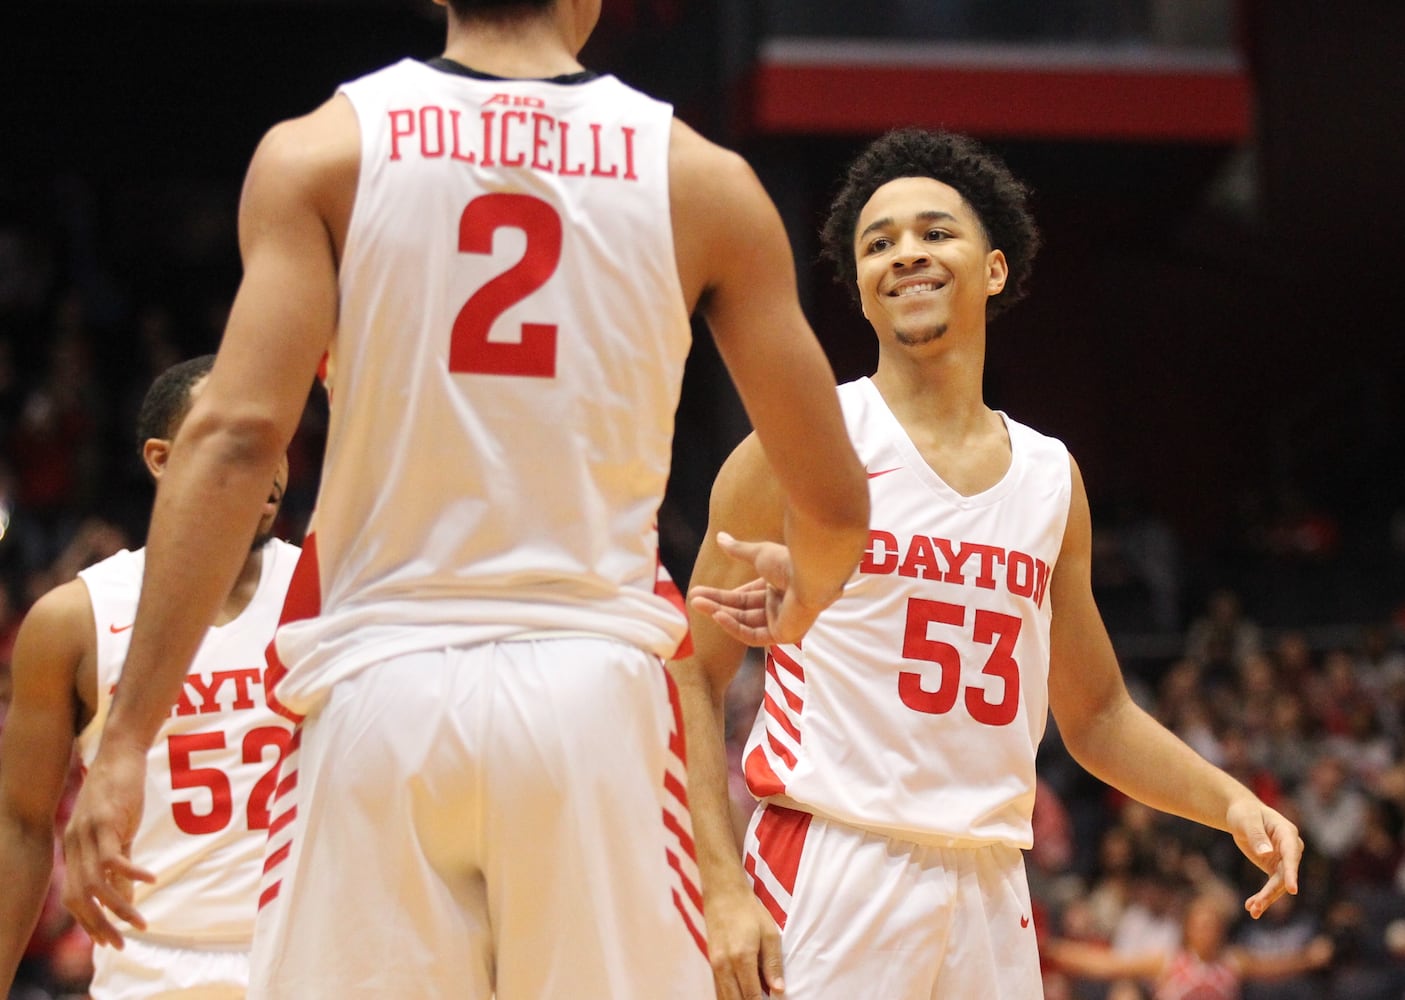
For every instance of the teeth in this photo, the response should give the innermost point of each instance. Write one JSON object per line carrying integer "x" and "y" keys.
{"x": 926, "y": 286}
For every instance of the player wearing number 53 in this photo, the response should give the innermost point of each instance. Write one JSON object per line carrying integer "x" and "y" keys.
{"x": 894, "y": 752}
{"x": 211, "y": 773}
{"x": 498, "y": 253}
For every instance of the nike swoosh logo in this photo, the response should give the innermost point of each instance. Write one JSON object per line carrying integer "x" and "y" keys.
{"x": 1024, "y": 921}
{"x": 883, "y": 472}
{"x": 114, "y": 629}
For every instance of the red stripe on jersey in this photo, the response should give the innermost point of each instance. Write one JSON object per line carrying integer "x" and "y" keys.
{"x": 761, "y": 780}
{"x": 792, "y": 699}
{"x": 772, "y": 904}
{"x": 698, "y": 939}
{"x": 282, "y": 821}
{"x": 675, "y": 736}
{"x": 684, "y": 840}
{"x": 780, "y": 840}
{"x": 269, "y": 894}
{"x": 782, "y": 751}
{"x": 289, "y": 782}
{"x": 774, "y": 710}
{"x": 676, "y": 788}
{"x": 775, "y": 655}
{"x": 303, "y": 600}
{"x": 688, "y": 885}
{"x": 277, "y": 858}
{"x": 665, "y": 587}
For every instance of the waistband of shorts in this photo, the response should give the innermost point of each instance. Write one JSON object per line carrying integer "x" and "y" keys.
{"x": 188, "y": 944}
{"x": 921, "y": 838}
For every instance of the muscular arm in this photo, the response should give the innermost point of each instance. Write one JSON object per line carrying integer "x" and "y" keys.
{"x": 35, "y": 751}
{"x": 746, "y": 502}
{"x": 1117, "y": 742}
{"x": 223, "y": 459}
{"x": 736, "y": 265}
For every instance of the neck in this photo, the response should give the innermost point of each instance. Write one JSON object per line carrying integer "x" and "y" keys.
{"x": 939, "y": 387}
{"x": 244, "y": 587}
{"x": 533, "y": 47}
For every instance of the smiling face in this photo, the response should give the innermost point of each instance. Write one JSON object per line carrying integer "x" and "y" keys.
{"x": 923, "y": 262}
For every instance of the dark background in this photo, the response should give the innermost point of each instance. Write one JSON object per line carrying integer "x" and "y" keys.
{"x": 1213, "y": 328}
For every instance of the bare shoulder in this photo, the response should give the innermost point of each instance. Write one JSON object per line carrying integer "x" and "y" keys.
{"x": 709, "y": 183}
{"x": 56, "y": 637}
{"x": 314, "y": 159}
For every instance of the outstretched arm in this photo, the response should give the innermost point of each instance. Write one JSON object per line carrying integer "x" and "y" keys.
{"x": 1097, "y": 962}
{"x": 221, "y": 465}
{"x": 743, "y": 941}
{"x": 737, "y": 265}
{"x": 35, "y": 752}
{"x": 1117, "y": 742}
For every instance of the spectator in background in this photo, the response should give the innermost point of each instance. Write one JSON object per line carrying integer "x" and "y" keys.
{"x": 1332, "y": 811}
{"x": 1222, "y": 637}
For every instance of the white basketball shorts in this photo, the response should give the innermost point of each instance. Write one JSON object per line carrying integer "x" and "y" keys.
{"x": 863, "y": 915}
{"x": 144, "y": 970}
{"x": 504, "y": 820}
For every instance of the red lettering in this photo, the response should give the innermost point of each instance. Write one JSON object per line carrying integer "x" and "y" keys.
{"x": 503, "y": 157}
{"x": 1019, "y": 574}
{"x": 241, "y": 680}
{"x": 954, "y": 559}
{"x": 456, "y": 153}
{"x": 184, "y": 706}
{"x": 597, "y": 170}
{"x": 991, "y": 556}
{"x": 629, "y": 173}
{"x": 881, "y": 556}
{"x": 488, "y": 118}
{"x": 400, "y": 131}
{"x": 207, "y": 690}
{"x": 565, "y": 128}
{"x": 539, "y": 141}
{"x": 438, "y": 132}
{"x": 1042, "y": 582}
{"x": 921, "y": 560}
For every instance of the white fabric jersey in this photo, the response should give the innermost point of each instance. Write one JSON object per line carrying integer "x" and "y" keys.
{"x": 504, "y": 376}
{"x": 214, "y": 766}
{"x": 917, "y": 702}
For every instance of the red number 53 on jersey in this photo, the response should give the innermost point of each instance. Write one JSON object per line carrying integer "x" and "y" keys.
{"x": 989, "y": 628}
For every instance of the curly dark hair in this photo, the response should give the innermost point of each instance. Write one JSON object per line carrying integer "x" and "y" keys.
{"x": 168, "y": 400}
{"x": 999, "y": 199}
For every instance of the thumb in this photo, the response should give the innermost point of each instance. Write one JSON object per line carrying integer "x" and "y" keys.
{"x": 771, "y": 971}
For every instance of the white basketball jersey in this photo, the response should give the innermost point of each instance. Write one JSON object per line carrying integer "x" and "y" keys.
{"x": 504, "y": 376}
{"x": 916, "y": 702}
{"x": 214, "y": 766}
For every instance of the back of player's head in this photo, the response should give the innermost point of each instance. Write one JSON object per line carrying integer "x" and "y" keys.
{"x": 168, "y": 400}
{"x": 999, "y": 199}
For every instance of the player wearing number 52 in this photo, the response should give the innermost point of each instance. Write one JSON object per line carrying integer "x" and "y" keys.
{"x": 894, "y": 752}
{"x": 498, "y": 253}
{"x": 211, "y": 773}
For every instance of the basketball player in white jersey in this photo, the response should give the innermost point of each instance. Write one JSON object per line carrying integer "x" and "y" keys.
{"x": 498, "y": 252}
{"x": 894, "y": 752}
{"x": 211, "y": 772}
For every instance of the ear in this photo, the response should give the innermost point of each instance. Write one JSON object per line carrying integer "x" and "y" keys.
{"x": 154, "y": 454}
{"x": 997, "y": 270}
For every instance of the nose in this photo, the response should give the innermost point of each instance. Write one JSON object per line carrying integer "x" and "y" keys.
{"x": 911, "y": 251}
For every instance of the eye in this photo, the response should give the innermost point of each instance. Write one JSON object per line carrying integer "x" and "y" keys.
{"x": 937, "y": 235}
{"x": 878, "y": 245}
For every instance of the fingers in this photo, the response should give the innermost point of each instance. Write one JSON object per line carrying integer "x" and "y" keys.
{"x": 99, "y": 881}
{"x": 1265, "y": 897}
{"x": 771, "y": 970}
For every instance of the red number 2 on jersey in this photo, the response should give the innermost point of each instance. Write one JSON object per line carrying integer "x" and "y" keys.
{"x": 534, "y": 354}
{"x": 990, "y": 628}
